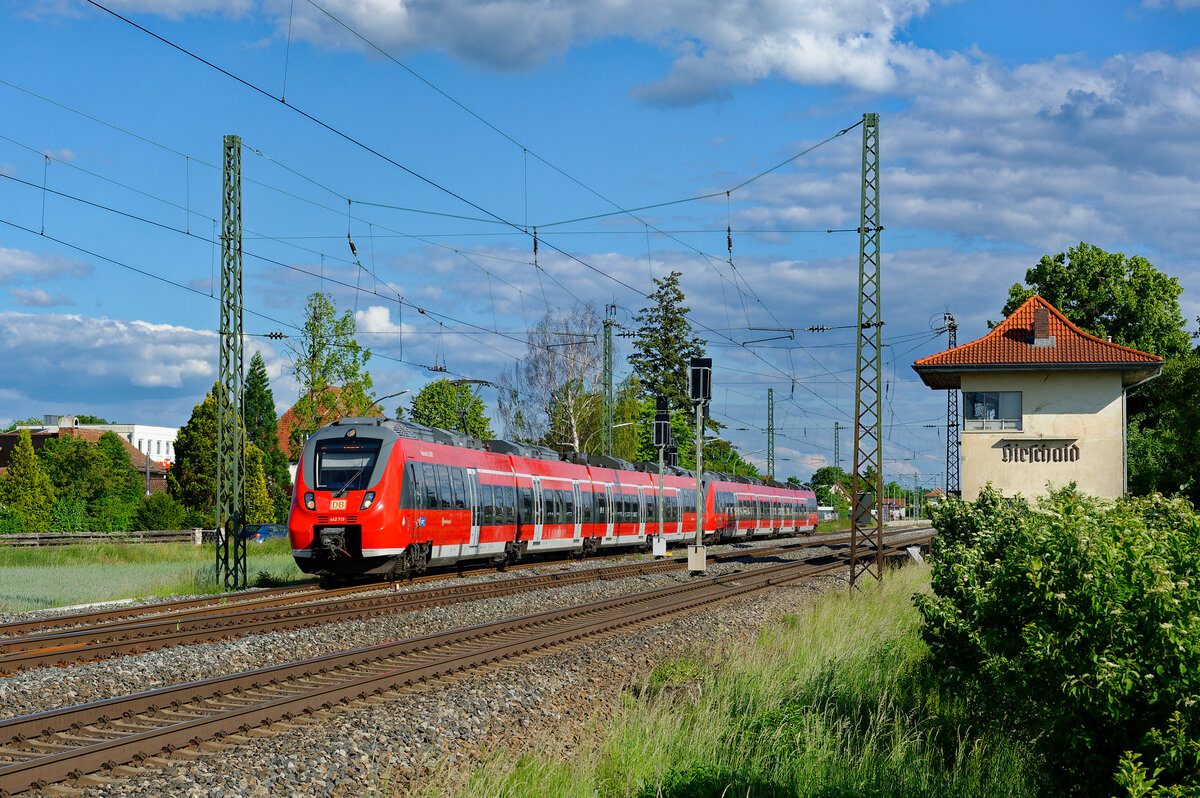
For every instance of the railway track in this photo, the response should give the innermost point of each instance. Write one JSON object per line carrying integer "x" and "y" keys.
{"x": 209, "y": 623}
{"x": 53, "y": 746}
{"x": 258, "y": 597}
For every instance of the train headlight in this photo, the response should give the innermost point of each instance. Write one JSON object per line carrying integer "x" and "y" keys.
{"x": 310, "y": 501}
{"x": 368, "y": 500}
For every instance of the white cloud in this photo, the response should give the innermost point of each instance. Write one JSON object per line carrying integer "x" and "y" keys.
{"x": 1039, "y": 157}
{"x": 1182, "y": 5}
{"x": 37, "y": 298}
{"x": 17, "y": 265}
{"x": 79, "y": 355}
{"x": 714, "y": 43}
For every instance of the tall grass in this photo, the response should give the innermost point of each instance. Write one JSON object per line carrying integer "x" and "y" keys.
{"x": 831, "y": 701}
{"x": 58, "y": 576}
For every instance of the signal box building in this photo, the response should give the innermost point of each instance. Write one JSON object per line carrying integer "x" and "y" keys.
{"x": 1043, "y": 403}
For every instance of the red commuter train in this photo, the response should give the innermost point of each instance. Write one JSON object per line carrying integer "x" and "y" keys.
{"x": 380, "y": 496}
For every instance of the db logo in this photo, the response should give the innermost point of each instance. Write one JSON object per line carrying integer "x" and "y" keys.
{"x": 337, "y": 504}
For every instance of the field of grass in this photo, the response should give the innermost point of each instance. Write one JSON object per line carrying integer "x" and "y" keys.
{"x": 58, "y": 576}
{"x": 832, "y": 701}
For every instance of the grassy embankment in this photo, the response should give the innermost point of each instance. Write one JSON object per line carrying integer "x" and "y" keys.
{"x": 832, "y": 701}
{"x": 58, "y": 576}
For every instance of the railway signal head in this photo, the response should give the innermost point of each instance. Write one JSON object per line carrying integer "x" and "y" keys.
{"x": 700, "y": 379}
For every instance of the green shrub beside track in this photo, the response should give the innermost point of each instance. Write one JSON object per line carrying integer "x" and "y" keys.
{"x": 1076, "y": 622}
{"x": 835, "y": 700}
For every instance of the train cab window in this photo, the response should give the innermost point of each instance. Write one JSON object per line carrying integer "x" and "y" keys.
{"x": 445, "y": 492}
{"x": 344, "y": 464}
{"x": 460, "y": 488}
{"x": 429, "y": 481}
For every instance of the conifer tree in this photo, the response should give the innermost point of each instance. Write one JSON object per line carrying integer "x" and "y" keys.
{"x": 665, "y": 344}
{"x": 259, "y": 508}
{"x": 26, "y": 490}
{"x": 262, "y": 430}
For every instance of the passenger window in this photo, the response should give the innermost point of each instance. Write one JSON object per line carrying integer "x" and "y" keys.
{"x": 460, "y": 488}
{"x": 430, "y": 482}
{"x": 445, "y": 492}
{"x": 487, "y": 509}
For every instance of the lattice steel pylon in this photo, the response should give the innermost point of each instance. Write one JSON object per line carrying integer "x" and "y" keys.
{"x": 610, "y": 311}
{"x": 231, "y": 476}
{"x": 868, "y": 394}
{"x": 770, "y": 433}
{"x": 953, "y": 474}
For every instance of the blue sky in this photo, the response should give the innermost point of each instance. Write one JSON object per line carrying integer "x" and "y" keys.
{"x": 1007, "y": 131}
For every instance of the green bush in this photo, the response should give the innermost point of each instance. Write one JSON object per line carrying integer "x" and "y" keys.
{"x": 159, "y": 511}
{"x": 1076, "y": 621}
{"x": 70, "y": 515}
{"x": 10, "y": 521}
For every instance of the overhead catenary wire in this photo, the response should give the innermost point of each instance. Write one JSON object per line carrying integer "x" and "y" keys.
{"x": 417, "y": 175}
{"x": 701, "y": 327}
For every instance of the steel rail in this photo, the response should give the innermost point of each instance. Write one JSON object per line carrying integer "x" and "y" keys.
{"x": 370, "y": 671}
{"x": 257, "y": 597}
{"x": 78, "y": 645}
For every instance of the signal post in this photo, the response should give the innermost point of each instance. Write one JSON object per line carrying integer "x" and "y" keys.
{"x": 700, "y": 389}
{"x": 662, "y": 439}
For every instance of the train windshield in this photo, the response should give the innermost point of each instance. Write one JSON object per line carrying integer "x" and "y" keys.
{"x": 346, "y": 464}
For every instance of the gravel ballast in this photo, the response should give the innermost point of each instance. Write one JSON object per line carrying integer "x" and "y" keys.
{"x": 381, "y": 745}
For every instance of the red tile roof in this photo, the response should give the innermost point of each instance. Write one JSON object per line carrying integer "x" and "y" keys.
{"x": 291, "y": 419}
{"x": 1011, "y": 346}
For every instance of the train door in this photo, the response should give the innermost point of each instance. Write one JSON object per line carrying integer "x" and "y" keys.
{"x": 578, "y": 520}
{"x": 539, "y": 511}
{"x": 641, "y": 512}
{"x": 610, "y": 514}
{"x": 474, "y": 505}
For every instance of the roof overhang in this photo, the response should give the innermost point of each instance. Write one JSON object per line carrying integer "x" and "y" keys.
{"x": 950, "y": 377}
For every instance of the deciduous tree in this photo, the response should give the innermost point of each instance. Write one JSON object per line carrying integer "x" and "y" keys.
{"x": 331, "y": 369}
{"x": 453, "y": 407}
{"x": 552, "y": 395}
{"x": 1108, "y": 293}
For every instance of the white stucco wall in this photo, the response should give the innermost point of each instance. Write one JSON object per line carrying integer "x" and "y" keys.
{"x": 1059, "y": 410}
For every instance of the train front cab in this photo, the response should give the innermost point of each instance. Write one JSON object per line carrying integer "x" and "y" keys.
{"x": 344, "y": 518}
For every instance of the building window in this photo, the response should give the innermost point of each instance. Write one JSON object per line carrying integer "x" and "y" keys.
{"x": 991, "y": 410}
